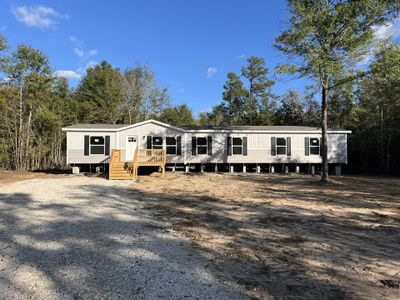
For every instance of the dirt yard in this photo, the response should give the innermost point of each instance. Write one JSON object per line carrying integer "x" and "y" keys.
{"x": 7, "y": 177}
{"x": 287, "y": 236}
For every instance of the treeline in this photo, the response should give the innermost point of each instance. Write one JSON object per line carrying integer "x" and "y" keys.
{"x": 368, "y": 106}
{"x": 35, "y": 105}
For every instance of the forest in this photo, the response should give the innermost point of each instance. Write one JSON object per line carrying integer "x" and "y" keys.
{"x": 35, "y": 103}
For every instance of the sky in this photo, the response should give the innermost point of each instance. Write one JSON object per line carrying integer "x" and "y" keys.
{"x": 191, "y": 45}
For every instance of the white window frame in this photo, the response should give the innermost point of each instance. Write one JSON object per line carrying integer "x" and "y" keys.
{"x": 237, "y": 146}
{"x": 152, "y": 142}
{"x": 280, "y": 146}
{"x": 90, "y": 144}
{"x": 175, "y": 146}
{"x": 200, "y": 146}
{"x": 310, "y": 146}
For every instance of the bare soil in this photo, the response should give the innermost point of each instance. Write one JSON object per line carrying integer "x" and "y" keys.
{"x": 7, "y": 177}
{"x": 287, "y": 236}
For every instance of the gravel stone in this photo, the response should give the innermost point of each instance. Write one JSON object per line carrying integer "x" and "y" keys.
{"x": 83, "y": 237}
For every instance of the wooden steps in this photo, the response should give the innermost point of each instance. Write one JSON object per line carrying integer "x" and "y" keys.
{"x": 118, "y": 169}
{"x": 142, "y": 157}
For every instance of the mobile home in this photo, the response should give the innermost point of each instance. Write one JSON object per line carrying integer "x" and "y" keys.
{"x": 216, "y": 147}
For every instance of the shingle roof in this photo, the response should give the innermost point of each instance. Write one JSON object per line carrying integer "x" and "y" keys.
{"x": 117, "y": 127}
{"x": 269, "y": 128}
{"x": 96, "y": 126}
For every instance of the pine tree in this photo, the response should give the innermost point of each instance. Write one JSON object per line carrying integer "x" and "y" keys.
{"x": 100, "y": 94}
{"x": 233, "y": 100}
{"x": 326, "y": 38}
{"x": 259, "y": 90}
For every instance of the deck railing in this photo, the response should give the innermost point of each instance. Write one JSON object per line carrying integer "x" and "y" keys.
{"x": 150, "y": 157}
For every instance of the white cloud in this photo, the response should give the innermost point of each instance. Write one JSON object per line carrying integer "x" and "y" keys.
{"x": 69, "y": 74}
{"x": 40, "y": 16}
{"x": 79, "y": 50}
{"x": 388, "y": 30}
{"x": 211, "y": 71}
{"x": 91, "y": 53}
{"x": 241, "y": 56}
{"x": 90, "y": 64}
{"x": 75, "y": 41}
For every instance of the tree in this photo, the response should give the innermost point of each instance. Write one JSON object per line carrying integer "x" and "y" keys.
{"x": 312, "y": 110}
{"x": 377, "y": 136}
{"x": 213, "y": 118}
{"x": 178, "y": 115}
{"x": 100, "y": 94}
{"x": 291, "y": 111}
{"x": 27, "y": 90}
{"x": 259, "y": 90}
{"x": 233, "y": 99}
{"x": 142, "y": 97}
{"x": 324, "y": 40}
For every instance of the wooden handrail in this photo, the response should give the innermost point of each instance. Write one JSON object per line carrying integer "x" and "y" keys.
{"x": 150, "y": 156}
{"x": 114, "y": 153}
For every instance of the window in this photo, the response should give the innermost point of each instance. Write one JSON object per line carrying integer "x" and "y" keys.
{"x": 237, "y": 146}
{"x": 280, "y": 146}
{"x": 171, "y": 145}
{"x": 131, "y": 139}
{"x": 157, "y": 142}
{"x": 314, "y": 146}
{"x": 201, "y": 145}
{"x": 96, "y": 145}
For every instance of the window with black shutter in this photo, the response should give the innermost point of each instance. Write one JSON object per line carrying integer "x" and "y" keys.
{"x": 237, "y": 146}
{"x": 281, "y": 146}
{"x": 201, "y": 145}
{"x": 97, "y": 145}
{"x": 157, "y": 142}
{"x": 171, "y": 145}
{"x": 314, "y": 146}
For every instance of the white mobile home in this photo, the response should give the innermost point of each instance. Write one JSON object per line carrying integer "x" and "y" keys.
{"x": 217, "y": 146}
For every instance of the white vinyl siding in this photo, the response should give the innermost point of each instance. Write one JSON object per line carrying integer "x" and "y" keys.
{"x": 258, "y": 145}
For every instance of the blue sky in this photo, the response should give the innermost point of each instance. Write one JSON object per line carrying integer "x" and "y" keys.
{"x": 191, "y": 45}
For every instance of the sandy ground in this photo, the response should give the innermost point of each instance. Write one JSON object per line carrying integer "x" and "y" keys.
{"x": 80, "y": 237}
{"x": 7, "y": 177}
{"x": 287, "y": 236}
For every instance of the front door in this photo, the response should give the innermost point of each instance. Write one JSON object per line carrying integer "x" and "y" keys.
{"x": 131, "y": 146}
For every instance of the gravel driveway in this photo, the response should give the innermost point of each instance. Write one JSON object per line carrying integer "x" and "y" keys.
{"x": 79, "y": 237}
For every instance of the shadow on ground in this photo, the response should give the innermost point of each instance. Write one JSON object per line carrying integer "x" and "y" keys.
{"x": 70, "y": 238}
{"x": 287, "y": 236}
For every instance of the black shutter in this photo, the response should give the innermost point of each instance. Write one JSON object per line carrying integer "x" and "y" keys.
{"x": 86, "y": 147}
{"x": 307, "y": 146}
{"x": 149, "y": 142}
{"x": 273, "y": 145}
{"x": 244, "y": 140}
{"x": 107, "y": 146}
{"x": 320, "y": 147}
{"x": 289, "y": 146}
{"x": 178, "y": 145}
{"x": 209, "y": 145}
{"x": 194, "y": 145}
{"x": 229, "y": 143}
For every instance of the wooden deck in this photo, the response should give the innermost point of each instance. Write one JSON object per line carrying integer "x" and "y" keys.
{"x": 142, "y": 158}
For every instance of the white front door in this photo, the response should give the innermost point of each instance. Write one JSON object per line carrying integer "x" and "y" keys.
{"x": 131, "y": 146}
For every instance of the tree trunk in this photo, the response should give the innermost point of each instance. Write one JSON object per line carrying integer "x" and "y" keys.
{"x": 382, "y": 141}
{"x": 324, "y": 126}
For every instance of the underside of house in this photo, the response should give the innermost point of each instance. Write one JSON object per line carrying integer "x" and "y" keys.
{"x": 124, "y": 149}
